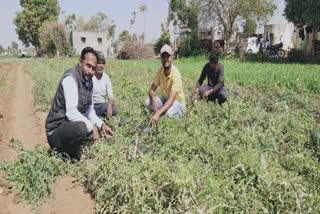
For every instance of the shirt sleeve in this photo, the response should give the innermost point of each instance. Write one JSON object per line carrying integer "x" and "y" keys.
{"x": 203, "y": 75}
{"x": 92, "y": 116}
{"x": 109, "y": 87}
{"x": 70, "y": 91}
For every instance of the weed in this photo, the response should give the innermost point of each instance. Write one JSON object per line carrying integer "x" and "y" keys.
{"x": 32, "y": 173}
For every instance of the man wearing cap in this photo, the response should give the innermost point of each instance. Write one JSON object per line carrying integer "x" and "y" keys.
{"x": 214, "y": 72}
{"x": 168, "y": 78}
{"x": 72, "y": 119}
{"x": 102, "y": 89}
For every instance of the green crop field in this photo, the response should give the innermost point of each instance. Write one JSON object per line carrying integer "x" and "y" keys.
{"x": 258, "y": 153}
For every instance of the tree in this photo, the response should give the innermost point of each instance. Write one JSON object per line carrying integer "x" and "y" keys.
{"x": 124, "y": 36}
{"x": 250, "y": 26}
{"x": 99, "y": 22}
{"x": 228, "y": 13}
{"x": 34, "y": 14}
{"x": 1, "y": 49}
{"x": 164, "y": 39}
{"x": 71, "y": 18}
{"x": 14, "y": 45}
{"x": 185, "y": 14}
{"x": 143, "y": 8}
{"x": 54, "y": 39}
{"x": 304, "y": 13}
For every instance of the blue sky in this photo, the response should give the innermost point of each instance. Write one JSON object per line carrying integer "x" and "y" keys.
{"x": 117, "y": 10}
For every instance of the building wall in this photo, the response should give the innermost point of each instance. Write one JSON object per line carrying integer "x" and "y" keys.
{"x": 95, "y": 39}
{"x": 281, "y": 32}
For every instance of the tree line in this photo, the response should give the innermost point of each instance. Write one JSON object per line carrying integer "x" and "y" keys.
{"x": 37, "y": 24}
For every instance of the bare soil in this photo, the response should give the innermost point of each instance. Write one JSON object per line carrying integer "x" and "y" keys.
{"x": 19, "y": 120}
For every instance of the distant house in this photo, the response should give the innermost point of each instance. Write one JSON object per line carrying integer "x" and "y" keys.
{"x": 307, "y": 39}
{"x": 95, "y": 39}
{"x": 277, "y": 33}
{"x": 211, "y": 38}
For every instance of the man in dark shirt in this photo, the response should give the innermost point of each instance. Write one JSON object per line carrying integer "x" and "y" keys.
{"x": 214, "y": 90}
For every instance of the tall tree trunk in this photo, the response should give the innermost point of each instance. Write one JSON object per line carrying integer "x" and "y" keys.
{"x": 38, "y": 51}
{"x": 315, "y": 32}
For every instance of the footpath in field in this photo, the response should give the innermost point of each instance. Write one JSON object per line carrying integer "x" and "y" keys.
{"x": 20, "y": 121}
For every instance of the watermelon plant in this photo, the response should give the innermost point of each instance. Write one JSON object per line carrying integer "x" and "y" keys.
{"x": 257, "y": 153}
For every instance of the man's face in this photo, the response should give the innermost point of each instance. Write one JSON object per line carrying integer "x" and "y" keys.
{"x": 166, "y": 60}
{"x": 88, "y": 65}
{"x": 100, "y": 67}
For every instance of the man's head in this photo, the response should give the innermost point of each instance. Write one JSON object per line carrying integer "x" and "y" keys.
{"x": 214, "y": 57}
{"x": 166, "y": 56}
{"x": 88, "y": 62}
{"x": 101, "y": 62}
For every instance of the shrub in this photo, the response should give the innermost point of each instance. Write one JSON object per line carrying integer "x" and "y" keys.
{"x": 32, "y": 172}
{"x": 136, "y": 50}
{"x": 164, "y": 39}
{"x": 296, "y": 56}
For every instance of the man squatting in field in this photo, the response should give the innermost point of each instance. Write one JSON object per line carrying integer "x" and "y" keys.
{"x": 214, "y": 90}
{"x": 168, "y": 78}
{"x": 102, "y": 89}
{"x": 72, "y": 118}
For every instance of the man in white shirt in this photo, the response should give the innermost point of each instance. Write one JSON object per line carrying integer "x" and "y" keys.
{"x": 102, "y": 89}
{"x": 72, "y": 118}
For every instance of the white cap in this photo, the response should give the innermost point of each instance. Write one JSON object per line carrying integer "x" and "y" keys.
{"x": 166, "y": 49}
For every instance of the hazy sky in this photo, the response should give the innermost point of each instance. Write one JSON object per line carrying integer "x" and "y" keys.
{"x": 118, "y": 10}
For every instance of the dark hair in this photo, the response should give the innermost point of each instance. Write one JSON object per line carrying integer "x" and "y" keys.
{"x": 100, "y": 56}
{"x": 214, "y": 57}
{"x": 87, "y": 50}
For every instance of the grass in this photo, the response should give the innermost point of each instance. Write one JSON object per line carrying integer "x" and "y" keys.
{"x": 254, "y": 154}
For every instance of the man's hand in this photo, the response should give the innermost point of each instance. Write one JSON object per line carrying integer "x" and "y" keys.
{"x": 95, "y": 134}
{"x": 107, "y": 131}
{"x": 195, "y": 96}
{"x": 155, "y": 105}
{"x": 154, "y": 119}
{"x": 206, "y": 94}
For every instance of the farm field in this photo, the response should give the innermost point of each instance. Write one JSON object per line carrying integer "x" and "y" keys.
{"x": 259, "y": 152}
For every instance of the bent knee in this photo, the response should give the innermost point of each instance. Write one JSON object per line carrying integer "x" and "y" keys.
{"x": 82, "y": 128}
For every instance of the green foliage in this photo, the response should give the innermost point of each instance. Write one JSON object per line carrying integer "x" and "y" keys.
{"x": 124, "y": 36}
{"x": 315, "y": 142}
{"x": 253, "y": 154}
{"x": 32, "y": 173}
{"x": 226, "y": 13}
{"x": 1, "y": 49}
{"x": 99, "y": 22}
{"x": 302, "y": 12}
{"x": 14, "y": 45}
{"x": 296, "y": 56}
{"x": 186, "y": 13}
{"x": 191, "y": 46}
{"x": 250, "y": 26}
{"x": 54, "y": 40}
{"x": 164, "y": 39}
{"x": 30, "y": 20}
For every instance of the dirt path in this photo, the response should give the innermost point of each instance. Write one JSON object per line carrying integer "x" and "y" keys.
{"x": 19, "y": 120}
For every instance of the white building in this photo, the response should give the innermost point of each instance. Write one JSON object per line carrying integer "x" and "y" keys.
{"x": 95, "y": 39}
{"x": 277, "y": 33}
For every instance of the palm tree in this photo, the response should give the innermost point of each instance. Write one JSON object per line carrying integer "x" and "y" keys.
{"x": 143, "y": 8}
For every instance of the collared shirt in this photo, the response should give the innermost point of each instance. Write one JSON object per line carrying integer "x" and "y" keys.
{"x": 169, "y": 83}
{"x": 70, "y": 90}
{"x": 101, "y": 89}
